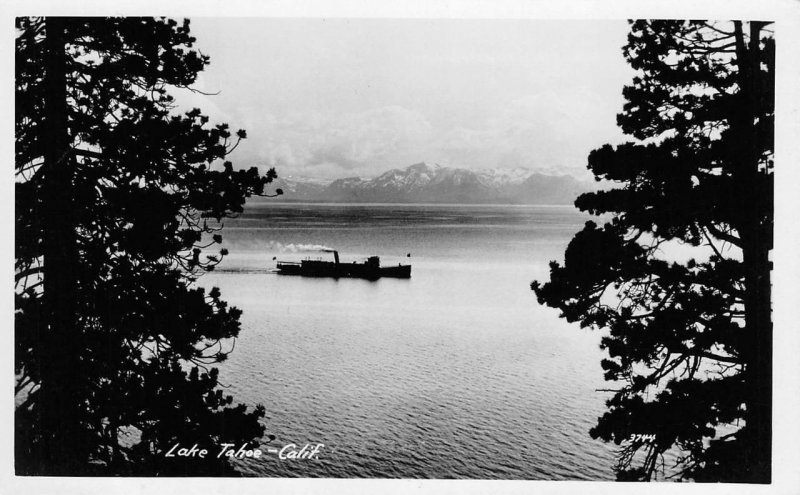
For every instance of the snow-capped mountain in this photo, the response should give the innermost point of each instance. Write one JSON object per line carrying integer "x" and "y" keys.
{"x": 300, "y": 187}
{"x": 425, "y": 183}
{"x": 506, "y": 176}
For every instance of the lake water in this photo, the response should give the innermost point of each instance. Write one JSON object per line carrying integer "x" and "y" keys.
{"x": 455, "y": 373}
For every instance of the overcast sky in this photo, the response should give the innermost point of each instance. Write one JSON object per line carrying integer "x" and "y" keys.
{"x": 336, "y": 98}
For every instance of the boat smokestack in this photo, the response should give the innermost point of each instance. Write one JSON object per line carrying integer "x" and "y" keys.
{"x": 336, "y": 256}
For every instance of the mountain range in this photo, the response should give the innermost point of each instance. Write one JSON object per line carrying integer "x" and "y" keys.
{"x": 424, "y": 183}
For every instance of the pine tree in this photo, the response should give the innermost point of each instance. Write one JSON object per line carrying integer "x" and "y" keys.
{"x": 689, "y": 341}
{"x": 118, "y": 198}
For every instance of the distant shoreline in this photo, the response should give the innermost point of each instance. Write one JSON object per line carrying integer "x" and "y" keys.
{"x": 266, "y": 201}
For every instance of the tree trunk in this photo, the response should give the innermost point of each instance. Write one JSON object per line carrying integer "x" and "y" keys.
{"x": 756, "y": 245}
{"x": 61, "y": 388}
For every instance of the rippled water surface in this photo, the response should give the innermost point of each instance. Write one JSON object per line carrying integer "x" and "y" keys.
{"x": 455, "y": 373}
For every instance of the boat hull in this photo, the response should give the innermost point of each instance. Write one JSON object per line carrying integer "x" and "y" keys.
{"x": 310, "y": 268}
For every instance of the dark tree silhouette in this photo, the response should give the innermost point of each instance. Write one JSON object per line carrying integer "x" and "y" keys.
{"x": 117, "y": 197}
{"x": 679, "y": 275}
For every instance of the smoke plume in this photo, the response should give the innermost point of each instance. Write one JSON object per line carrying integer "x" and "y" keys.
{"x": 299, "y": 248}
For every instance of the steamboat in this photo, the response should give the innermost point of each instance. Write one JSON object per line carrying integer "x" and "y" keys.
{"x": 370, "y": 268}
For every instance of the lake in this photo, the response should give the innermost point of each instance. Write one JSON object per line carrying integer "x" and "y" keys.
{"x": 455, "y": 373}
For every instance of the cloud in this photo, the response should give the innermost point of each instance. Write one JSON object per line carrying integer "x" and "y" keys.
{"x": 376, "y": 135}
{"x": 318, "y": 100}
{"x": 347, "y": 142}
{"x": 203, "y": 98}
{"x": 540, "y": 131}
